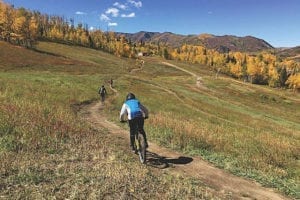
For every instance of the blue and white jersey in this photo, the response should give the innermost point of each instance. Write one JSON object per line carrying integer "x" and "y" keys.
{"x": 133, "y": 108}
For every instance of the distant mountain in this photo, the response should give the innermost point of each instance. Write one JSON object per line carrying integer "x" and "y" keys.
{"x": 288, "y": 52}
{"x": 234, "y": 43}
{"x": 291, "y": 53}
{"x": 221, "y": 43}
{"x": 172, "y": 39}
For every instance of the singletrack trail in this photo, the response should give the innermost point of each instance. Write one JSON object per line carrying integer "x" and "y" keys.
{"x": 162, "y": 158}
{"x": 217, "y": 179}
{"x": 198, "y": 78}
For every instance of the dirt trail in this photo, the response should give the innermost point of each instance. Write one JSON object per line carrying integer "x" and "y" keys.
{"x": 219, "y": 180}
{"x": 201, "y": 85}
{"x": 177, "y": 163}
{"x": 199, "y": 82}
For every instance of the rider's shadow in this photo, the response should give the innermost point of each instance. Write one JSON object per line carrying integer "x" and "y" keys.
{"x": 162, "y": 162}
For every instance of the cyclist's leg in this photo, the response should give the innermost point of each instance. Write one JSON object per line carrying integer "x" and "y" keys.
{"x": 133, "y": 129}
{"x": 141, "y": 129}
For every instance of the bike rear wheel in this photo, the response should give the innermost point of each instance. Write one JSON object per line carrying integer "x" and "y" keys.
{"x": 141, "y": 147}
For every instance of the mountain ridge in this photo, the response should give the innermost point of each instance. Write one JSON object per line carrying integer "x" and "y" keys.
{"x": 292, "y": 53}
{"x": 222, "y": 44}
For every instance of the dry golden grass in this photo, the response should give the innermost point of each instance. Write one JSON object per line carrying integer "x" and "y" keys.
{"x": 47, "y": 151}
{"x": 89, "y": 165}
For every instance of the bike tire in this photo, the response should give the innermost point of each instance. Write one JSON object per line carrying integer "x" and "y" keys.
{"x": 142, "y": 148}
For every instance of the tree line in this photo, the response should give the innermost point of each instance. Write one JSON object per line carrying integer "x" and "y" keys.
{"x": 263, "y": 68}
{"x": 23, "y": 27}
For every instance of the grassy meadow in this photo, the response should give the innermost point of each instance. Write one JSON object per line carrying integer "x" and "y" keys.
{"x": 48, "y": 151}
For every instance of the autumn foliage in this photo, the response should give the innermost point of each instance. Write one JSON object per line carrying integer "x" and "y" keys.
{"x": 264, "y": 68}
{"x": 23, "y": 27}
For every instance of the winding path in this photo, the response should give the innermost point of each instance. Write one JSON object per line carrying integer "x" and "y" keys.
{"x": 222, "y": 182}
{"x": 198, "y": 78}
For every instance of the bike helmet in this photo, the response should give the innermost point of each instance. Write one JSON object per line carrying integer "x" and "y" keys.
{"x": 130, "y": 96}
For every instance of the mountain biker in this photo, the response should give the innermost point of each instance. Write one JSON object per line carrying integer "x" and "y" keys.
{"x": 102, "y": 92}
{"x": 135, "y": 113}
{"x": 111, "y": 82}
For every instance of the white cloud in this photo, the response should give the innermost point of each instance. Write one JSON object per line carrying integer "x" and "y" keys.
{"x": 115, "y": 11}
{"x": 92, "y": 28}
{"x": 128, "y": 16}
{"x": 104, "y": 17}
{"x": 112, "y": 11}
{"x": 80, "y": 13}
{"x": 112, "y": 24}
{"x": 121, "y": 6}
{"x": 137, "y": 4}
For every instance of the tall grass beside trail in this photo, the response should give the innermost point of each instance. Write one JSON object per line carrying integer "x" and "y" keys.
{"x": 48, "y": 152}
{"x": 35, "y": 109}
{"x": 232, "y": 130}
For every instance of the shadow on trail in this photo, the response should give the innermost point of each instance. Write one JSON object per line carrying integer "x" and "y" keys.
{"x": 162, "y": 162}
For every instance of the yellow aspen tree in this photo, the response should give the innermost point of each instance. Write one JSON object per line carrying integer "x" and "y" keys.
{"x": 19, "y": 27}
{"x": 235, "y": 69}
{"x": 201, "y": 59}
{"x": 55, "y": 33}
{"x": 262, "y": 77}
{"x": 174, "y": 54}
{"x": 253, "y": 69}
{"x": 219, "y": 59}
{"x": 268, "y": 58}
{"x": 291, "y": 66}
{"x": 2, "y": 8}
{"x": 181, "y": 56}
{"x": 239, "y": 57}
{"x": 273, "y": 76}
{"x": 294, "y": 82}
{"x": 33, "y": 29}
{"x": 6, "y": 21}
{"x": 127, "y": 51}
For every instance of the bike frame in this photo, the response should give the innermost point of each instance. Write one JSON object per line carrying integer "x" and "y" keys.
{"x": 140, "y": 146}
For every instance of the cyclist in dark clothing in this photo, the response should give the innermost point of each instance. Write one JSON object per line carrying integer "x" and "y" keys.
{"x": 102, "y": 92}
{"x": 111, "y": 82}
{"x": 135, "y": 113}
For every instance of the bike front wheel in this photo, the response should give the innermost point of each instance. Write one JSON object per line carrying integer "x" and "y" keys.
{"x": 142, "y": 148}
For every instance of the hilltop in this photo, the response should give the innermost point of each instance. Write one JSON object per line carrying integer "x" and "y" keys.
{"x": 221, "y": 43}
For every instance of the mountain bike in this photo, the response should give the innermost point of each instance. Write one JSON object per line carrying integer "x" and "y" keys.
{"x": 140, "y": 145}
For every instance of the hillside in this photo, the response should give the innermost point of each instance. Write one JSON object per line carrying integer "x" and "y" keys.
{"x": 57, "y": 142}
{"x": 290, "y": 53}
{"x": 221, "y": 43}
{"x": 13, "y": 56}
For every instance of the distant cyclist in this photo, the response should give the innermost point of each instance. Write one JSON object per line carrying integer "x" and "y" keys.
{"x": 102, "y": 92}
{"x": 135, "y": 112}
{"x": 111, "y": 83}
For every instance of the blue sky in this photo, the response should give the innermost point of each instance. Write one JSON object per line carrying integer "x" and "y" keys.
{"x": 275, "y": 21}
